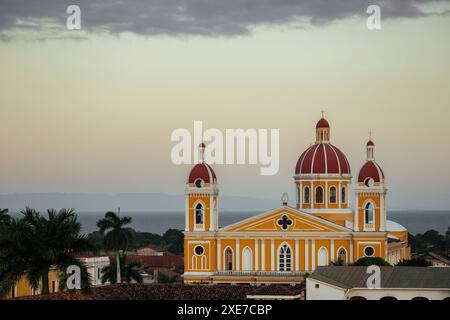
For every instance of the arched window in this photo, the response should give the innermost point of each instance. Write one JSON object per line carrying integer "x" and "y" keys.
{"x": 319, "y": 195}
{"x": 368, "y": 213}
{"x": 247, "y": 259}
{"x": 306, "y": 198}
{"x": 342, "y": 256}
{"x": 357, "y": 298}
{"x": 388, "y": 298}
{"x": 228, "y": 259}
{"x": 285, "y": 258}
{"x": 199, "y": 214}
{"x": 199, "y": 261}
{"x": 333, "y": 195}
{"x": 343, "y": 195}
{"x": 322, "y": 259}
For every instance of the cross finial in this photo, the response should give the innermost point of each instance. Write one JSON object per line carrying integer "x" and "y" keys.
{"x": 322, "y": 112}
{"x": 370, "y": 134}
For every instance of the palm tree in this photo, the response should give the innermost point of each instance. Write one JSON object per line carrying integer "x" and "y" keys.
{"x": 117, "y": 238}
{"x": 33, "y": 244}
{"x": 4, "y": 216}
{"x": 129, "y": 272}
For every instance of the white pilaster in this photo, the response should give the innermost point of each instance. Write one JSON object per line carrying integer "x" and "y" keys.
{"x": 212, "y": 216}
{"x": 313, "y": 255}
{"x": 238, "y": 255}
{"x": 326, "y": 194}
{"x": 219, "y": 256}
{"x": 301, "y": 194}
{"x": 263, "y": 255}
{"x": 256, "y": 268}
{"x": 332, "y": 253}
{"x": 272, "y": 255}
{"x": 351, "y": 250}
{"x": 356, "y": 218}
{"x": 297, "y": 258}
{"x": 306, "y": 255}
{"x": 339, "y": 194}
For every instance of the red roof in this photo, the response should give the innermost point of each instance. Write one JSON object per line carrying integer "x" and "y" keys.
{"x": 370, "y": 170}
{"x": 202, "y": 171}
{"x": 322, "y": 158}
{"x": 322, "y": 123}
{"x": 156, "y": 261}
{"x": 370, "y": 143}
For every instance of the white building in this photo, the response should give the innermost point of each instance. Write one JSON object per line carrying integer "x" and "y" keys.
{"x": 94, "y": 265}
{"x": 396, "y": 283}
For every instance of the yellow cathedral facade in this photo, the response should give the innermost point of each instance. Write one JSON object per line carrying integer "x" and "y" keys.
{"x": 283, "y": 244}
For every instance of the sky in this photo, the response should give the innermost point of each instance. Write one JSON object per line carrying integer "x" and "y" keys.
{"x": 92, "y": 110}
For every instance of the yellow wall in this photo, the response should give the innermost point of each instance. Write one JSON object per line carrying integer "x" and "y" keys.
{"x": 23, "y": 287}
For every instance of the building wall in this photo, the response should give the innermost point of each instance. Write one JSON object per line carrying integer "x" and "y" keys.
{"x": 316, "y": 290}
{"x": 399, "y": 294}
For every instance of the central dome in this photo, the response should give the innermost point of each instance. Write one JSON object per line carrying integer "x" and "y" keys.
{"x": 322, "y": 158}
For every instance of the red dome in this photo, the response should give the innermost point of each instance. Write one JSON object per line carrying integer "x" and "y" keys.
{"x": 370, "y": 143}
{"x": 202, "y": 171}
{"x": 322, "y": 123}
{"x": 322, "y": 158}
{"x": 371, "y": 170}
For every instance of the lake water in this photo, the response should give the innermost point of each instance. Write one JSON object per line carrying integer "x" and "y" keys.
{"x": 158, "y": 222}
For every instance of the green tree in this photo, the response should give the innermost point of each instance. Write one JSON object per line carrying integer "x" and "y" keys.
{"x": 173, "y": 241}
{"x": 4, "y": 216}
{"x": 117, "y": 238}
{"x": 33, "y": 244}
{"x": 414, "y": 262}
{"x": 128, "y": 272}
{"x": 369, "y": 261}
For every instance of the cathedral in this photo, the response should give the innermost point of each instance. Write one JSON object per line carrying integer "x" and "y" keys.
{"x": 284, "y": 244}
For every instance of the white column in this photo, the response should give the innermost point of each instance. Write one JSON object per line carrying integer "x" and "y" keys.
{"x": 306, "y": 255}
{"x": 256, "y": 267}
{"x": 326, "y": 194}
{"x": 301, "y": 195}
{"x": 238, "y": 255}
{"x": 332, "y": 250}
{"x": 219, "y": 255}
{"x": 186, "y": 221}
{"x": 313, "y": 255}
{"x": 297, "y": 258}
{"x": 263, "y": 255}
{"x": 356, "y": 222}
{"x": 272, "y": 255}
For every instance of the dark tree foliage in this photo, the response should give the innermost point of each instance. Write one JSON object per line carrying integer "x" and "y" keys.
{"x": 415, "y": 262}
{"x": 369, "y": 261}
{"x": 431, "y": 240}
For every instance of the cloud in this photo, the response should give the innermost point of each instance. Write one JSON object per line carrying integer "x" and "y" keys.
{"x": 189, "y": 17}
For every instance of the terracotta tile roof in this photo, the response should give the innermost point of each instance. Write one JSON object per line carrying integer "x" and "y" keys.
{"x": 161, "y": 292}
{"x": 168, "y": 261}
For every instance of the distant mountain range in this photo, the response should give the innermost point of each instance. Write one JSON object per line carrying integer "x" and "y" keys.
{"x": 128, "y": 202}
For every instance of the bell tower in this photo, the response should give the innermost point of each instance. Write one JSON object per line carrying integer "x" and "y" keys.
{"x": 201, "y": 197}
{"x": 370, "y": 192}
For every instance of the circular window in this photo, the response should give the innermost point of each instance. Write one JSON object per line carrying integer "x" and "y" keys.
{"x": 369, "y": 251}
{"x": 199, "y": 183}
{"x": 369, "y": 182}
{"x": 199, "y": 250}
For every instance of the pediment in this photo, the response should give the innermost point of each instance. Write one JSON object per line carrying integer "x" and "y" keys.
{"x": 285, "y": 219}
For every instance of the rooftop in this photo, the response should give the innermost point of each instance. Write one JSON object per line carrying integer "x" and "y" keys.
{"x": 391, "y": 277}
